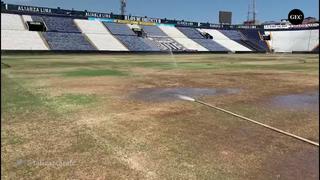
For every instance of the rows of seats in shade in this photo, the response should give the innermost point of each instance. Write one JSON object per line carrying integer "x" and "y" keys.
{"x": 244, "y": 40}
{"x": 254, "y": 36}
{"x": 58, "y": 24}
{"x": 67, "y": 41}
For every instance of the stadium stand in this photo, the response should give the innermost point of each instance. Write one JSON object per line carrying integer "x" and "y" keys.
{"x": 134, "y": 43}
{"x": 99, "y": 35}
{"x": 26, "y": 18}
{"x": 191, "y": 32}
{"x": 199, "y": 38}
{"x": 57, "y": 24}
{"x": 130, "y": 39}
{"x": 21, "y": 40}
{"x": 175, "y": 34}
{"x": 238, "y": 37}
{"x": 153, "y": 31}
{"x": 15, "y": 36}
{"x": 39, "y": 28}
{"x": 119, "y": 29}
{"x": 289, "y": 41}
{"x": 11, "y": 22}
{"x": 163, "y": 41}
{"x": 211, "y": 45}
{"x": 67, "y": 41}
{"x": 224, "y": 40}
{"x": 254, "y": 36}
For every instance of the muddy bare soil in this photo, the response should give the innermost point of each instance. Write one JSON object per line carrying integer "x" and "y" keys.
{"x": 171, "y": 94}
{"x": 133, "y": 126}
{"x": 303, "y": 101}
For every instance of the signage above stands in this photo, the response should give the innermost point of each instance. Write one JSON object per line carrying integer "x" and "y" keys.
{"x": 289, "y": 26}
{"x": 110, "y": 17}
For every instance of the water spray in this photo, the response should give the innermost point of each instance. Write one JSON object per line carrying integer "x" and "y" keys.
{"x": 186, "y": 98}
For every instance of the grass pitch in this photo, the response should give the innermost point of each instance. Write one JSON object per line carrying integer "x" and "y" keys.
{"x": 73, "y": 117}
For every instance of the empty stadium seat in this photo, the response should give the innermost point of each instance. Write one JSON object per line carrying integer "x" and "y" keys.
{"x": 93, "y": 27}
{"x": 211, "y": 45}
{"x": 11, "y": 22}
{"x": 153, "y": 31}
{"x": 100, "y": 36}
{"x": 119, "y": 29}
{"x": 57, "y": 24}
{"x": 134, "y": 43}
{"x": 178, "y": 36}
{"x": 167, "y": 44}
{"x": 232, "y": 34}
{"x": 106, "y": 42}
{"x": 253, "y": 36}
{"x": 26, "y": 18}
{"x": 67, "y": 41}
{"x": 21, "y": 40}
{"x": 225, "y": 41}
{"x": 192, "y": 33}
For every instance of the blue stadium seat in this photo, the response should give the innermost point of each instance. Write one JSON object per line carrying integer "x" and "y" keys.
{"x": 134, "y": 43}
{"x": 211, "y": 45}
{"x": 192, "y": 33}
{"x": 57, "y": 24}
{"x": 232, "y": 34}
{"x": 253, "y": 36}
{"x": 153, "y": 31}
{"x": 67, "y": 41}
{"x": 119, "y": 29}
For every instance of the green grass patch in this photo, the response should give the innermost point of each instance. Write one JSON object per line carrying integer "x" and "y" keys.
{"x": 76, "y": 99}
{"x": 92, "y": 73}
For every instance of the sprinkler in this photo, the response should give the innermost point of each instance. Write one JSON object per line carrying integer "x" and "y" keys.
{"x": 186, "y": 98}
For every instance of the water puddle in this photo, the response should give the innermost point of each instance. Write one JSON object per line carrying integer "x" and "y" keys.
{"x": 171, "y": 94}
{"x": 305, "y": 101}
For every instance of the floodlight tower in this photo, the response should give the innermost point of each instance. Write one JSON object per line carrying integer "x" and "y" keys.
{"x": 254, "y": 12}
{"x": 123, "y": 5}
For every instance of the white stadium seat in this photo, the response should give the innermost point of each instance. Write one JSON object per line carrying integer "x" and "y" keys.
{"x": 99, "y": 35}
{"x": 21, "y": 40}
{"x": 106, "y": 42}
{"x": 95, "y": 27}
{"x": 224, "y": 40}
{"x": 178, "y": 36}
{"x": 11, "y": 22}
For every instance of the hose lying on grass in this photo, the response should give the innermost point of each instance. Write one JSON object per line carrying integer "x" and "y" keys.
{"x": 250, "y": 120}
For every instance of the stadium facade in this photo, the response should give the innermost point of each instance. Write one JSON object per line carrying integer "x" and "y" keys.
{"x": 29, "y": 28}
